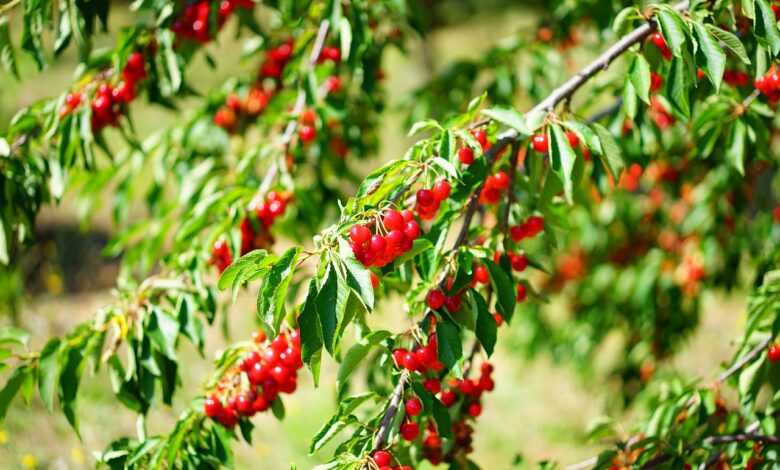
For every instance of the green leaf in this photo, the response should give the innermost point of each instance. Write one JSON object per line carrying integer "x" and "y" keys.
{"x": 609, "y": 151}
{"x": 509, "y": 117}
{"x": 486, "y": 330}
{"x": 49, "y": 372}
{"x": 358, "y": 277}
{"x": 442, "y": 416}
{"x": 450, "y": 345}
{"x": 639, "y": 74}
{"x": 11, "y": 334}
{"x": 563, "y": 159}
{"x": 330, "y": 307}
{"x": 311, "y": 332}
{"x": 620, "y": 25}
{"x": 277, "y": 407}
{"x": 70, "y": 378}
{"x": 735, "y": 153}
{"x": 356, "y": 354}
{"x": 766, "y": 27}
{"x": 11, "y": 388}
{"x": 345, "y": 38}
{"x": 674, "y": 30}
{"x": 7, "y": 56}
{"x": 446, "y": 145}
{"x": 716, "y": 58}
{"x": 678, "y": 86}
{"x": 504, "y": 288}
{"x": 731, "y": 42}
{"x": 245, "y": 268}
{"x": 270, "y": 299}
{"x": 163, "y": 329}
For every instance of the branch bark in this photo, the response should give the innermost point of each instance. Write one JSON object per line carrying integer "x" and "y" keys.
{"x": 392, "y": 409}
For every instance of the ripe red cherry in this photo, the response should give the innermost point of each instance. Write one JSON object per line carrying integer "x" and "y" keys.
{"x": 481, "y": 137}
{"x": 519, "y": 262}
{"x": 521, "y": 292}
{"x": 441, "y": 190}
{"x": 333, "y": 84}
{"x": 259, "y": 373}
{"x": 658, "y": 40}
{"x": 382, "y": 458}
{"x": 359, "y": 234}
{"x": 498, "y": 318}
{"x": 413, "y": 406}
{"x": 773, "y": 353}
{"x": 378, "y": 244}
{"x": 374, "y": 281}
{"x": 307, "y": 134}
{"x": 393, "y": 220}
{"x": 432, "y": 385}
{"x": 574, "y": 141}
{"x": 435, "y": 299}
{"x": 412, "y": 230}
{"x": 212, "y": 407}
{"x": 452, "y": 303}
{"x": 425, "y": 198}
{"x": 540, "y": 144}
{"x": 448, "y": 398}
{"x": 308, "y": 116}
{"x": 410, "y": 431}
{"x": 481, "y": 274}
{"x": 500, "y": 180}
{"x": 279, "y": 374}
{"x": 73, "y": 100}
{"x": 474, "y": 410}
{"x": 409, "y": 361}
{"x": 408, "y": 215}
{"x": 466, "y": 155}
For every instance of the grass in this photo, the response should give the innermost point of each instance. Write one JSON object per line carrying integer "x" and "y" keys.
{"x": 538, "y": 409}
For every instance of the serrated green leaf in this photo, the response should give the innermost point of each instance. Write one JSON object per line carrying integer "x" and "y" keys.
{"x": 735, "y": 153}
{"x": 563, "y": 159}
{"x": 731, "y": 41}
{"x": 450, "y": 345}
{"x": 609, "y": 151}
{"x": 639, "y": 74}
{"x": 674, "y": 30}
{"x": 716, "y": 58}
{"x": 486, "y": 329}
{"x": 49, "y": 372}
{"x": 509, "y": 117}
{"x": 271, "y": 298}
{"x": 504, "y": 289}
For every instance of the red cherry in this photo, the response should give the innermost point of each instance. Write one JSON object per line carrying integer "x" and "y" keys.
{"x": 413, "y": 406}
{"x": 481, "y": 275}
{"x": 521, "y": 292}
{"x": 574, "y": 140}
{"x": 382, "y": 458}
{"x": 500, "y": 180}
{"x": 73, "y": 100}
{"x": 374, "y": 281}
{"x": 435, "y": 299}
{"x": 378, "y": 244}
{"x": 333, "y": 84}
{"x": 393, "y": 220}
{"x": 498, "y": 318}
{"x": 409, "y": 361}
{"x": 656, "y": 81}
{"x": 448, "y": 398}
{"x": 259, "y": 373}
{"x": 481, "y": 137}
{"x": 408, "y": 215}
{"x": 260, "y": 404}
{"x": 307, "y": 134}
{"x": 452, "y": 303}
{"x": 474, "y": 410}
{"x": 258, "y": 336}
{"x": 466, "y": 155}
{"x": 212, "y": 407}
{"x": 432, "y": 385}
{"x": 519, "y": 262}
{"x": 425, "y": 198}
{"x": 773, "y": 353}
{"x": 539, "y": 143}
{"x": 409, "y": 431}
{"x": 279, "y": 374}
{"x": 359, "y": 234}
{"x": 308, "y": 116}
{"x": 412, "y": 230}
{"x": 518, "y": 232}
{"x": 441, "y": 190}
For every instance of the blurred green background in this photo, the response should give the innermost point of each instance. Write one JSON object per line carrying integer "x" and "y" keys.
{"x": 539, "y": 410}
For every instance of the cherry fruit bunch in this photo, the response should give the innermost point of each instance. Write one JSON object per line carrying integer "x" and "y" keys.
{"x": 462, "y": 399}
{"x": 255, "y": 231}
{"x": 194, "y": 22}
{"x": 110, "y": 100}
{"x": 769, "y": 85}
{"x": 265, "y": 372}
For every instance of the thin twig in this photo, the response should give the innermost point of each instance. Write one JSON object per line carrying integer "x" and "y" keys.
{"x": 744, "y": 437}
{"x": 392, "y": 409}
{"x": 758, "y": 349}
{"x": 510, "y": 200}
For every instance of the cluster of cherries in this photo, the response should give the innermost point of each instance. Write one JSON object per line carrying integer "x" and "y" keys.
{"x": 193, "y": 24}
{"x": 531, "y": 227}
{"x": 468, "y": 392}
{"x": 494, "y": 186}
{"x": 109, "y": 102}
{"x": 271, "y": 368}
{"x": 276, "y": 59}
{"x": 236, "y": 109}
{"x": 375, "y": 249}
{"x": 253, "y": 236}
{"x": 423, "y": 359}
{"x": 428, "y": 201}
{"x": 466, "y": 153}
{"x": 769, "y": 85}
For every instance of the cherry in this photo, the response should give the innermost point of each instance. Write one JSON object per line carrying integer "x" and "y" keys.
{"x": 498, "y": 318}
{"x": 212, "y": 407}
{"x": 409, "y": 361}
{"x": 398, "y": 356}
{"x": 481, "y": 275}
{"x": 425, "y": 198}
{"x": 521, "y": 292}
{"x": 393, "y": 220}
{"x": 441, "y": 190}
{"x": 656, "y": 81}
{"x": 409, "y": 431}
{"x": 378, "y": 244}
{"x": 501, "y": 180}
{"x": 540, "y": 143}
{"x": 258, "y": 336}
{"x": 448, "y": 398}
{"x": 452, "y": 303}
{"x": 660, "y": 43}
{"x": 519, "y": 262}
{"x": 574, "y": 140}
{"x": 73, "y": 100}
{"x": 308, "y": 116}
{"x": 773, "y": 353}
{"x": 474, "y": 409}
{"x": 307, "y": 134}
{"x": 412, "y": 230}
{"x": 260, "y": 404}
{"x": 413, "y": 406}
{"x": 279, "y": 373}
{"x": 333, "y": 84}
{"x": 435, "y": 299}
{"x": 374, "y": 281}
{"x": 359, "y": 234}
{"x": 408, "y": 215}
{"x": 481, "y": 137}
{"x": 432, "y": 385}
{"x": 466, "y": 155}
{"x": 382, "y": 458}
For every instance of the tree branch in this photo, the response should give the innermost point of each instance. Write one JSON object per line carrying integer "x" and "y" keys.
{"x": 392, "y": 409}
{"x": 758, "y": 349}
